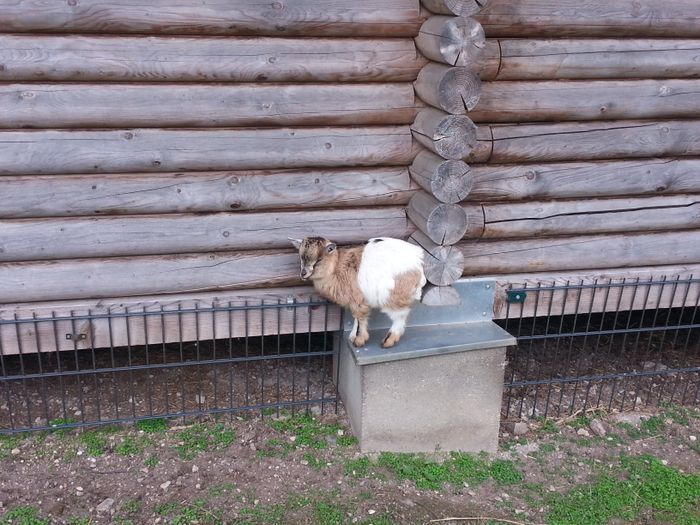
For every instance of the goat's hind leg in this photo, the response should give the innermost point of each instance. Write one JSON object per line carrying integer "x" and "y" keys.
{"x": 398, "y": 326}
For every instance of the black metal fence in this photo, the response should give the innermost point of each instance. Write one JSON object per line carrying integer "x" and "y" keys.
{"x": 123, "y": 366}
{"x": 608, "y": 344}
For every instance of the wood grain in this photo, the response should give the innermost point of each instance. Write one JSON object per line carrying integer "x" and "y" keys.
{"x": 27, "y": 196}
{"x": 451, "y": 40}
{"x": 170, "y": 318}
{"x": 205, "y": 105}
{"x": 570, "y": 180}
{"x": 449, "y": 136}
{"x": 588, "y": 58}
{"x": 138, "y": 150}
{"x": 588, "y": 216}
{"x": 537, "y": 101}
{"x": 78, "y": 237}
{"x": 446, "y": 180}
{"x": 442, "y": 223}
{"x": 442, "y": 265}
{"x": 581, "y": 252}
{"x": 455, "y": 7}
{"x": 85, "y": 58}
{"x": 514, "y": 143}
{"x": 454, "y": 90}
{"x": 215, "y": 17}
{"x": 612, "y": 18}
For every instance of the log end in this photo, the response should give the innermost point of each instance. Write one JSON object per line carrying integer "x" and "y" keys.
{"x": 441, "y": 296}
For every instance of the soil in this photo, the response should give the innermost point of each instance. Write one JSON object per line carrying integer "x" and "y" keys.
{"x": 280, "y": 470}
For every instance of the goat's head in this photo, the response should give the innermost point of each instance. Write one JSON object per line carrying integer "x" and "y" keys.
{"x": 315, "y": 253}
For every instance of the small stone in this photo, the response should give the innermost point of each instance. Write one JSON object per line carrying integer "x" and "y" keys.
{"x": 371, "y": 511}
{"x": 692, "y": 438}
{"x": 198, "y": 486}
{"x": 292, "y": 438}
{"x": 195, "y": 468}
{"x": 664, "y": 462}
{"x": 628, "y": 417}
{"x": 341, "y": 432}
{"x": 471, "y": 493}
{"x": 520, "y": 428}
{"x": 253, "y": 447}
{"x": 15, "y": 451}
{"x": 583, "y": 432}
{"x": 165, "y": 485}
{"x": 105, "y": 505}
{"x": 597, "y": 428}
{"x": 79, "y": 489}
{"x": 304, "y": 462}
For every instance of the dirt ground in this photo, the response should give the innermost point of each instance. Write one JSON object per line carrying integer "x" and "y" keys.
{"x": 299, "y": 469}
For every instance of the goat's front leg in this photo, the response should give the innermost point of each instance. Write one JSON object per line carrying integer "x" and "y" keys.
{"x": 398, "y": 326}
{"x": 359, "y": 335}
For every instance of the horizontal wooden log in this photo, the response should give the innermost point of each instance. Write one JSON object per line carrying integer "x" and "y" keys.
{"x": 587, "y": 216}
{"x": 450, "y": 136}
{"x": 454, "y": 90}
{"x": 657, "y": 287}
{"x": 613, "y": 18}
{"x": 589, "y": 58}
{"x": 442, "y": 265}
{"x": 76, "y": 237}
{"x": 131, "y": 193}
{"x": 210, "y": 105}
{"x": 571, "y": 180}
{"x": 137, "y": 150}
{"x": 581, "y": 252}
{"x": 455, "y": 7}
{"x": 442, "y": 223}
{"x": 147, "y": 275}
{"x": 446, "y": 180}
{"x": 537, "y": 101}
{"x": 123, "y": 58}
{"x": 215, "y": 17}
{"x": 516, "y": 143}
{"x": 169, "y": 319}
{"x": 455, "y": 41}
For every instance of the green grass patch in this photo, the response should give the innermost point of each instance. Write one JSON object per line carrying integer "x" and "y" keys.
{"x": 504, "y": 472}
{"x": 60, "y": 427}
{"x": 358, "y": 468}
{"x": 189, "y": 513}
{"x": 642, "y": 485}
{"x": 380, "y": 519}
{"x": 131, "y": 506}
{"x": 314, "y": 461}
{"x": 222, "y": 489}
{"x": 153, "y": 426}
{"x": 346, "y": 441}
{"x": 267, "y": 514}
{"x": 548, "y": 426}
{"x": 8, "y": 442}
{"x": 130, "y": 446}
{"x": 24, "y": 515}
{"x": 329, "y": 513}
{"x": 308, "y": 430}
{"x": 200, "y": 438}
{"x": 95, "y": 442}
{"x": 151, "y": 461}
{"x": 679, "y": 414}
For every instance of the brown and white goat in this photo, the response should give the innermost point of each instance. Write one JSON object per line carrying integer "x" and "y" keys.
{"x": 384, "y": 273}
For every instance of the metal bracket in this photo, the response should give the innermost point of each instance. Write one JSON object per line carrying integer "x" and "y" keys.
{"x": 76, "y": 337}
{"x": 514, "y": 296}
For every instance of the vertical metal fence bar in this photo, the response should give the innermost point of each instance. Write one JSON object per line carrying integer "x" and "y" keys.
{"x": 580, "y": 354}
{"x": 570, "y": 349}
{"x": 165, "y": 375}
{"x": 40, "y": 358}
{"x": 91, "y": 335}
{"x": 115, "y": 389}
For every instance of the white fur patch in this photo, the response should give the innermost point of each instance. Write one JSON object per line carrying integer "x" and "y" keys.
{"x": 381, "y": 262}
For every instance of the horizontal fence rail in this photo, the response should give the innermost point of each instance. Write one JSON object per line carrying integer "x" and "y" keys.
{"x": 610, "y": 345}
{"x": 183, "y": 362}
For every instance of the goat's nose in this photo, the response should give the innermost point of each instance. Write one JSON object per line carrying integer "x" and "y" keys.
{"x": 304, "y": 274}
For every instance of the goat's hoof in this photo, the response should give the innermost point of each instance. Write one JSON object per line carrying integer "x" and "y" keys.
{"x": 360, "y": 340}
{"x": 390, "y": 340}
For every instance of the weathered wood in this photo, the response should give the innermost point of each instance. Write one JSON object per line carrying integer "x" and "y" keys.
{"x": 440, "y": 296}
{"x": 137, "y": 150}
{"x": 177, "y": 323}
{"x": 585, "y": 141}
{"x": 455, "y": 7}
{"x": 612, "y": 18}
{"x": 456, "y": 41}
{"x": 215, "y": 17}
{"x": 205, "y": 105}
{"x": 206, "y": 59}
{"x": 455, "y": 90}
{"x": 581, "y": 252}
{"x": 658, "y": 287}
{"x": 572, "y": 180}
{"x": 125, "y": 193}
{"x": 442, "y": 223}
{"x": 588, "y": 216}
{"x": 447, "y": 180}
{"x": 530, "y": 59}
{"x": 442, "y": 265}
{"x": 77, "y": 237}
{"x": 154, "y": 274}
{"x": 450, "y": 136}
{"x": 537, "y": 101}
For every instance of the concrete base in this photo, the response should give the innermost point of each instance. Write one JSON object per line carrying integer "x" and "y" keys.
{"x": 439, "y": 389}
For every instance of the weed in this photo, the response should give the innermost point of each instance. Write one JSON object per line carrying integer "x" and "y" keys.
{"x": 8, "y": 442}
{"x": 165, "y": 509}
{"x": 201, "y": 438}
{"x": 547, "y": 448}
{"x": 61, "y": 425}
{"x": 327, "y": 513}
{"x": 505, "y": 472}
{"x": 131, "y": 506}
{"x": 272, "y": 514}
{"x": 424, "y": 473}
{"x": 23, "y": 516}
{"x": 679, "y": 414}
{"x": 80, "y": 521}
{"x": 358, "y": 468}
{"x": 298, "y": 501}
{"x": 153, "y": 426}
{"x": 189, "y": 514}
{"x": 314, "y": 461}
{"x": 130, "y": 446}
{"x": 221, "y": 489}
{"x": 95, "y": 442}
{"x": 381, "y": 519}
{"x": 308, "y": 430}
{"x": 276, "y": 447}
{"x": 580, "y": 422}
{"x": 653, "y": 425}
{"x": 152, "y": 461}
{"x": 346, "y": 441}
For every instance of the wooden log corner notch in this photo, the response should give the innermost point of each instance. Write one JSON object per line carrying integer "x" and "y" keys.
{"x": 447, "y": 180}
{"x": 443, "y": 265}
{"x": 442, "y": 223}
{"x": 450, "y": 136}
{"x": 455, "y": 7}
{"x": 455, "y": 90}
{"x": 452, "y": 40}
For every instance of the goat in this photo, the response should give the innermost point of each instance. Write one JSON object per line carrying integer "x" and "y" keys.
{"x": 384, "y": 273}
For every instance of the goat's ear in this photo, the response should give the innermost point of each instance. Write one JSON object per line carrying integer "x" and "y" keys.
{"x": 296, "y": 242}
{"x": 330, "y": 248}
